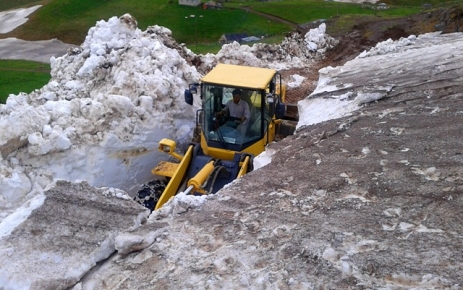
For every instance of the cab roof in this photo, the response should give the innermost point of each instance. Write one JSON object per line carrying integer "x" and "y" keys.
{"x": 239, "y": 76}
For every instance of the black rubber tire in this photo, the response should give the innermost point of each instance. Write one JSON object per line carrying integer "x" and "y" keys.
{"x": 149, "y": 194}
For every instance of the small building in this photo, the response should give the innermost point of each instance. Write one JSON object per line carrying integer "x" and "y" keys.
{"x": 189, "y": 2}
{"x": 230, "y": 37}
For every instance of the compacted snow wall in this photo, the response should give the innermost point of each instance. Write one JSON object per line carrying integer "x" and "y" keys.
{"x": 101, "y": 116}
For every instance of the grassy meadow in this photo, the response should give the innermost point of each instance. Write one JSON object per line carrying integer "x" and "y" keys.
{"x": 21, "y": 76}
{"x": 70, "y": 20}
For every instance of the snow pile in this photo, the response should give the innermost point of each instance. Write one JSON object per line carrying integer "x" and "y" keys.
{"x": 317, "y": 41}
{"x": 389, "y": 46}
{"x": 412, "y": 43}
{"x": 296, "y": 81}
{"x": 101, "y": 116}
{"x": 294, "y": 51}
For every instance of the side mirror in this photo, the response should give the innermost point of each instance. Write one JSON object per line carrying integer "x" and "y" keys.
{"x": 280, "y": 111}
{"x": 188, "y": 97}
{"x": 270, "y": 99}
{"x": 193, "y": 88}
{"x": 271, "y": 104}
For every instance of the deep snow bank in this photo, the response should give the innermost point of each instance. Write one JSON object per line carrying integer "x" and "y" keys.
{"x": 100, "y": 117}
{"x": 294, "y": 51}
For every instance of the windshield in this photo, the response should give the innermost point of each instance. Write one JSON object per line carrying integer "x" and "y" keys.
{"x": 229, "y": 126}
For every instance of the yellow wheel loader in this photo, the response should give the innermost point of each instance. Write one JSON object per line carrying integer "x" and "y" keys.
{"x": 220, "y": 153}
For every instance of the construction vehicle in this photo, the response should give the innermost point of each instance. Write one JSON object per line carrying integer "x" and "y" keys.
{"x": 219, "y": 153}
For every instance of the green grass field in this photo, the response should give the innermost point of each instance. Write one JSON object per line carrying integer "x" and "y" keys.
{"x": 21, "y": 76}
{"x": 70, "y": 20}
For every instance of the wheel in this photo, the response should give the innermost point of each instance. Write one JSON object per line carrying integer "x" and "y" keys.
{"x": 150, "y": 193}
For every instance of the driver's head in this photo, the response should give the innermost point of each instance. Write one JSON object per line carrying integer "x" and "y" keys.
{"x": 236, "y": 96}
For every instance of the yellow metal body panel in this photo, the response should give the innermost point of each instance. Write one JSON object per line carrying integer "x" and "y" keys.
{"x": 244, "y": 167}
{"x": 201, "y": 177}
{"x": 239, "y": 76}
{"x": 168, "y": 146}
{"x": 271, "y": 132}
{"x": 177, "y": 178}
{"x": 255, "y": 149}
{"x": 216, "y": 152}
{"x": 282, "y": 92}
{"x": 165, "y": 168}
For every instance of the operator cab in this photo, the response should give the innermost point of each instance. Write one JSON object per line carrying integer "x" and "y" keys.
{"x": 222, "y": 132}
{"x": 260, "y": 89}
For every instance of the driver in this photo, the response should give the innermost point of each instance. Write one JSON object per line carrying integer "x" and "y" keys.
{"x": 237, "y": 109}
